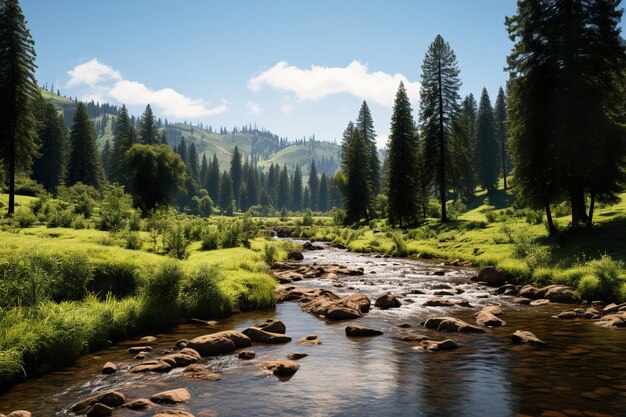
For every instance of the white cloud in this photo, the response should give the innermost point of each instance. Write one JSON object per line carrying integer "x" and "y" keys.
{"x": 103, "y": 82}
{"x": 318, "y": 82}
{"x": 253, "y": 107}
{"x": 286, "y": 106}
{"x": 381, "y": 141}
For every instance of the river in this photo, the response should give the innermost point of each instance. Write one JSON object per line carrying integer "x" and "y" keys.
{"x": 581, "y": 371}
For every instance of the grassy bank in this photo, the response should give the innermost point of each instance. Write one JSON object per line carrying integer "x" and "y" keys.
{"x": 66, "y": 291}
{"x": 495, "y": 232}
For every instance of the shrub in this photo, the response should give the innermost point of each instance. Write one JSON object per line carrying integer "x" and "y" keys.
{"x": 73, "y": 272}
{"x": 210, "y": 238}
{"x": 115, "y": 209}
{"x": 175, "y": 243}
{"x": 534, "y": 216}
{"x": 399, "y": 243}
{"x": 83, "y": 197}
{"x": 455, "y": 209}
{"x": 201, "y": 295}
{"x": 269, "y": 254}
{"x": 28, "y": 186}
{"x": 79, "y": 222}
{"x": 114, "y": 276}
{"x": 23, "y": 217}
{"x": 229, "y": 238}
{"x": 161, "y": 290}
{"x": 339, "y": 216}
{"x": 22, "y": 281}
{"x": 604, "y": 281}
{"x": 307, "y": 218}
{"x": 132, "y": 240}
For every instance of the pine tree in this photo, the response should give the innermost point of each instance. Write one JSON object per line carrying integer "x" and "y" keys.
{"x": 487, "y": 147}
{"x": 204, "y": 172}
{"x": 226, "y": 194}
{"x": 402, "y": 163}
{"x": 18, "y": 90}
{"x": 365, "y": 124}
{"x": 84, "y": 162}
{"x": 501, "y": 133}
{"x": 439, "y": 97}
{"x": 252, "y": 190}
{"x": 296, "y": 190}
{"x": 322, "y": 199}
{"x": 148, "y": 132}
{"x": 357, "y": 192}
{"x": 213, "y": 180}
{"x": 183, "y": 151}
{"x": 282, "y": 200}
{"x": 236, "y": 174}
{"x": 306, "y": 198}
{"x": 105, "y": 157}
{"x": 49, "y": 168}
{"x": 193, "y": 162}
{"x": 314, "y": 186}
{"x": 124, "y": 137}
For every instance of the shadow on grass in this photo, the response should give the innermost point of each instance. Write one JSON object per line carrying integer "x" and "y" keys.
{"x": 499, "y": 199}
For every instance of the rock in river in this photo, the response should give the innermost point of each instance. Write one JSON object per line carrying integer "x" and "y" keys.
{"x": 219, "y": 343}
{"x": 262, "y": 336}
{"x": 434, "y": 346}
{"x": 361, "y": 331}
{"x": 295, "y": 255}
{"x": 110, "y": 399}
{"x": 492, "y": 276}
{"x": 281, "y": 367}
{"x": 109, "y": 368}
{"x": 247, "y": 355}
{"x": 451, "y": 324}
{"x": 387, "y": 301}
{"x": 488, "y": 317}
{"x": 523, "y": 337}
{"x": 310, "y": 340}
{"x": 174, "y": 396}
{"x": 273, "y": 326}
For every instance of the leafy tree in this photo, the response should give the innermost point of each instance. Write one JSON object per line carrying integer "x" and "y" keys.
{"x": 314, "y": 186}
{"x": 148, "y": 132}
{"x": 439, "y": 97}
{"x": 499, "y": 113}
{"x": 84, "y": 162}
{"x": 236, "y": 172}
{"x": 402, "y": 163}
{"x": 156, "y": 174}
{"x": 365, "y": 124}
{"x": 487, "y": 149}
{"x": 18, "y": 90}
{"x": 124, "y": 137}
{"x": 355, "y": 166}
{"x": 49, "y": 168}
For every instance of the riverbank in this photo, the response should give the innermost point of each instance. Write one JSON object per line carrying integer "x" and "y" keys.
{"x": 66, "y": 292}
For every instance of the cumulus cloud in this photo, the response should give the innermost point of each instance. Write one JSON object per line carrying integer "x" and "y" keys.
{"x": 319, "y": 82}
{"x": 103, "y": 82}
{"x": 253, "y": 107}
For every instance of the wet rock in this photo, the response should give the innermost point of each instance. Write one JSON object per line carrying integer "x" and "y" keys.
{"x": 20, "y": 413}
{"x": 281, "y": 367}
{"x": 138, "y": 404}
{"x": 202, "y": 322}
{"x": 611, "y": 308}
{"x": 109, "y": 368}
{"x": 361, "y": 331}
{"x": 327, "y": 304}
{"x": 99, "y": 410}
{"x": 110, "y": 399}
{"x": 148, "y": 339}
{"x": 247, "y": 354}
{"x": 311, "y": 246}
{"x": 522, "y": 301}
{"x": 438, "y": 302}
{"x": 440, "y": 272}
{"x": 488, "y": 317}
{"x": 434, "y": 346}
{"x": 567, "y": 315}
{"x": 505, "y": 288}
{"x": 199, "y": 371}
{"x": 413, "y": 337}
{"x": 612, "y": 320}
{"x": 560, "y": 294}
{"x": 185, "y": 357}
{"x": 297, "y": 355}
{"x": 182, "y": 343}
{"x": 295, "y": 255}
{"x": 219, "y": 343}
{"x": 140, "y": 357}
{"x": 138, "y": 349}
{"x": 442, "y": 293}
{"x": 156, "y": 365}
{"x": 290, "y": 271}
{"x": 174, "y": 396}
{"x": 404, "y": 326}
{"x": 492, "y": 276}
{"x": 524, "y": 337}
{"x": 387, "y": 301}
{"x": 175, "y": 413}
{"x": 591, "y": 313}
{"x": 451, "y": 324}
{"x": 310, "y": 340}
{"x": 441, "y": 287}
{"x": 539, "y": 302}
{"x": 416, "y": 292}
{"x": 261, "y": 336}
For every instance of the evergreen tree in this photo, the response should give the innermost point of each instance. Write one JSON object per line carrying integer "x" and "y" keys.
{"x": 49, "y": 168}
{"x": 84, "y": 162}
{"x": 226, "y": 194}
{"x": 282, "y": 200}
{"x": 357, "y": 191}
{"x": 501, "y": 133}
{"x": 18, "y": 90}
{"x": 105, "y": 157}
{"x": 124, "y": 137}
{"x": 213, "y": 180}
{"x": 487, "y": 147}
{"x": 365, "y": 124}
{"x": 252, "y": 190}
{"x": 461, "y": 161}
{"x": 148, "y": 132}
{"x": 402, "y": 163}
{"x": 439, "y": 96}
{"x": 182, "y": 151}
{"x": 193, "y": 162}
{"x": 322, "y": 204}
{"x": 236, "y": 174}
{"x": 204, "y": 172}
{"x": 296, "y": 190}
{"x": 314, "y": 186}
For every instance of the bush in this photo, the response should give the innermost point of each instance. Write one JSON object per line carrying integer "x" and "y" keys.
{"x": 160, "y": 292}
{"x": 399, "y": 243}
{"x": 132, "y": 240}
{"x": 307, "y": 218}
{"x": 339, "y": 217}
{"x": 269, "y": 254}
{"x": 455, "y": 209}
{"x": 230, "y": 236}
{"x": 604, "y": 282}
{"x": 73, "y": 272}
{"x": 82, "y": 197}
{"x": 23, "y": 217}
{"x": 22, "y": 281}
{"x": 115, "y": 209}
{"x": 114, "y": 276}
{"x": 201, "y": 295}
{"x": 175, "y": 243}
{"x": 210, "y": 238}
{"x": 28, "y": 186}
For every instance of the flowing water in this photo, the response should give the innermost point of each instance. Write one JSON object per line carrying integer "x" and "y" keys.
{"x": 581, "y": 372}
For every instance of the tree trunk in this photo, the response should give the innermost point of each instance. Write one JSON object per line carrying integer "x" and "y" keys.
{"x": 551, "y": 228}
{"x": 592, "y": 203}
{"x": 579, "y": 210}
{"x": 442, "y": 152}
{"x": 502, "y": 143}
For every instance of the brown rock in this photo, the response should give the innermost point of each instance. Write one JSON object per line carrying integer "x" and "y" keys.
{"x": 247, "y": 354}
{"x": 185, "y": 357}
{"x": 297, "y": 355}
{"x": 20, "y": 413}
{"x": 434, "y": 346}
{"x": 438, "y": 302}
{"x": 219, "y": 343}
{"x": 539, "y": 302}
{"x": 412, "y": 337}
{"x": 109, "y": 368}
{"x": 175, "y": 413}
{"x": 281, "y": 367}
{"x": 174, "y": 396}
{"x": 521, "y": 300}
{"x": 486, "y": 317}
{"x": 272, "y": 326}
{"x": 199, "y": 371}
{"x": 138, "y": 404}
{"x": 492, "y": 276}
{"x": 567, "y": 315}
{"x": 262, "y": 336}
{"x": 139, "y": 357}
{"x": 156, "y": 365}
{"x": 560, "y": 294}
{"x": 148, "y": 339}
{"x": 451, "y": 324}
{"x": 506, "y": 287}
{"x": 110, "y": 399}
{"x": 295, "y": 255}
{"x": 310, "y": 340}
{"x": 523, "y": 337}
{"x": 612, "y": 320}
{"x": 138, "y": 349}
{"x": 361, "y": 331}
{"x": 387, "y": 301}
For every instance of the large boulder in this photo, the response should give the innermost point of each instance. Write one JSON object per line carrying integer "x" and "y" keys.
{"x": 262, "y": 336}
{"x": 387, "y": 301}
{"x": 613, "y": 320}
{"x": 273, "y": 326}
{"x": 559, "y": 294}
{"x": 492, "y": 276}
{"x": 185, "y": 357}
{"x": 295, "y": 255}
{"x": 174, "y": 396}
{"x": 109, "y": 368}
{"x": 110, "y": 399}
{"x": 156, "y": 365}
{"x": 360, "y": 331}
{"x": 327, "y": 304}
{"x": 488, "y": 317}
{"x": 522, "y": 337}
{"x": 219, "y": 343}
{"x": 281, "y": 367}
{"x": 451, "y": 324}
{"x": 434, "y": 346}
{"x": 199, "y": 371}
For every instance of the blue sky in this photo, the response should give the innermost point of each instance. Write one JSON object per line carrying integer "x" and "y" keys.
{"x": 295, "y": 68}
